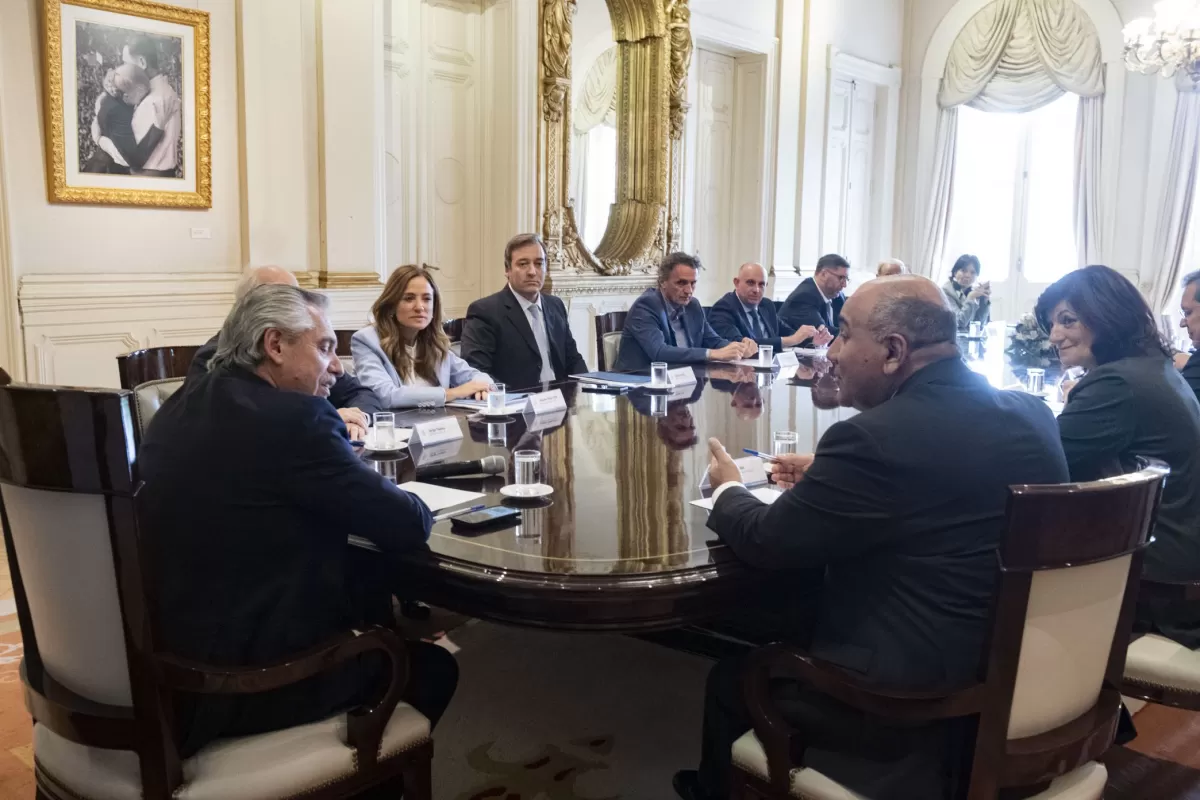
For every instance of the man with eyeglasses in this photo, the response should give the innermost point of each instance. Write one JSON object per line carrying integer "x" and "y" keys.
{"x": 818, "y": 300}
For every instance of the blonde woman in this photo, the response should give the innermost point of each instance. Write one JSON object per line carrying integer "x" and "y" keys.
{"x": 405, "y": 357}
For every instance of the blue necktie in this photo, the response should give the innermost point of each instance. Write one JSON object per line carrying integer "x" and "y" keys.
{"x": 758, "y": 323}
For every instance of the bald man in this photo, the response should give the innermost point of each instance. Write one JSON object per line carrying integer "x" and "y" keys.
{"x": 896, "y": 519}
{"x": 742, "y": 314}
{"x": 891, "y": 266}
{"x": 352, "y": 400}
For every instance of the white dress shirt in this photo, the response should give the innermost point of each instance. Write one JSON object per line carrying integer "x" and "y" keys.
{"x": 537, "y": 321}
{"x": 160, "y": 108}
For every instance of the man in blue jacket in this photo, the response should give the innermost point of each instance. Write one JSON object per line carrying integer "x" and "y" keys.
{"x": 743, "y": 314}
{"x": 668, "y": 324}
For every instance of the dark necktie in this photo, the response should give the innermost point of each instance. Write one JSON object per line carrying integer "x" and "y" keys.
{"x": 757, "y": 322}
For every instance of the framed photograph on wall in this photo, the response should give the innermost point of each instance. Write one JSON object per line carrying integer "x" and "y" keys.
{"x": 126, "y": 103}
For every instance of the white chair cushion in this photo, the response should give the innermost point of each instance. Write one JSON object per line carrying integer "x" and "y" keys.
{"x": 1163, "y": 662}
{"x": 1085, "y": 783}
{"x": 612, "y": 349}
{"x": 150, "y": 397}
{"x": 264, "y": 767}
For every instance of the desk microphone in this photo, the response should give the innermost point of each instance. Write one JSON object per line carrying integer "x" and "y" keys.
{"x": 488, "y": 465}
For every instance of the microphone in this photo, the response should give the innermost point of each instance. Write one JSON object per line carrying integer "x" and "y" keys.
{"x": 488, "y": 465}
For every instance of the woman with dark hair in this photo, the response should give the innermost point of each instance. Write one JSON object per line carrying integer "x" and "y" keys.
{"x": 970, "y": 301}
{"x": 405, "y": 357}
{"x": 1132, "y": 402}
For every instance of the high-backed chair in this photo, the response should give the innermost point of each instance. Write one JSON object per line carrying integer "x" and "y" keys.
{"x": 343, "y": 349}
{"x": 98, "y": 690}
{"x": 454, "y": 329}
{"x": 155, "y": 363}
{"x": 608, "y": 338}
{"x": 149, "y": 398}
{"x": 1048, "y": 698}
{"x": 1161, "y": 670}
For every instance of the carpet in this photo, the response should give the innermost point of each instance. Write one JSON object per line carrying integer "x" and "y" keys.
{"x": 556, "y": 716}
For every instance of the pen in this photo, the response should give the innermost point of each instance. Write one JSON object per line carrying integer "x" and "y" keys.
{"x": 450, "y": 514}
{"x": 763, "y": 456}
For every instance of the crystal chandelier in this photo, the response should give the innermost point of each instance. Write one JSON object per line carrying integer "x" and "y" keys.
{"x": 1168, "y": 42}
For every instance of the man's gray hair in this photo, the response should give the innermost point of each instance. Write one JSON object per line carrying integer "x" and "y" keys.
{"x": 272, "y": 305}
{"x": 1189, "y": 279}
{"x": 921, "y": 322}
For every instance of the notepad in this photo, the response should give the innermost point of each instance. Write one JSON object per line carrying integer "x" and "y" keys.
{"x": 764, "y": 493}
{"x": 439, "y": 497}
{"x": 613, "y": 378}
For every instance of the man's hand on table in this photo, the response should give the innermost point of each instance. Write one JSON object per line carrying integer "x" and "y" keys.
{"x": 356, "y": 423}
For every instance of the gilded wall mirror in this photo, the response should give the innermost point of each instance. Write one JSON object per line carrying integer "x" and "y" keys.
{"x": 613, "y": 86}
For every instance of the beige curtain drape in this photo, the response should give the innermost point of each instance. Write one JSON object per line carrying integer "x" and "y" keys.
{"x": 1175, "y": 213}
{"x": 597, "y": 101}
{"x": 1016, "y": 56}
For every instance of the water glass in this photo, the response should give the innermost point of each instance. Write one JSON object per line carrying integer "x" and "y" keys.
{"x": 385, "y": 430}
{"x": 766, "y": 355}
{"x": 658, "y": 375}
{"x": 496, "y": 400}
{"x": 1035, "y": 380}
{"x": 785, "y": 443}
{"x": 658, "y": 405}
{"x": 976, "y": 329}
{"x": 526, "y": 465}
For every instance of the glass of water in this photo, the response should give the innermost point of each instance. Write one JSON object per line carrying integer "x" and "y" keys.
{"x": 385, "y": 430}
{"x": 766, "y": 355}
{"x": 658, "y": 376}
{"x": 526, "y": 466}
{"x": 976, "y": 329}
{"x": 1035, "y": 380}
{"x": 784, "y": 443}
{"x": 496, "y": 399}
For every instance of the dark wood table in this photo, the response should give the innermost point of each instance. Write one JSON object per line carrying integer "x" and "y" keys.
{"x": 618, "y": 546}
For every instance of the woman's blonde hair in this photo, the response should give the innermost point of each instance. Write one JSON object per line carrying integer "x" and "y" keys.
{"x": 432, "y": 344}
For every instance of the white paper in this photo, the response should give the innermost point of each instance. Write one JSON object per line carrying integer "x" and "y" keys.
{"x": 682, "y": 376}
{"x": 439, "y": 430}
{"x": 811, "y": 351}
{"x": 439, "y": 497}
{"x": 547, "y": 402}
{"x": 764, "y": 493}
{"x": 752, "y": 362}
{"x": 751, "y": 467}
{"x": 510, "y": 407}
{"x": 787, "y": 358}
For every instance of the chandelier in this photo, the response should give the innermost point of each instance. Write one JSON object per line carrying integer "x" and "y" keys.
{"x": 1168, "y": 42}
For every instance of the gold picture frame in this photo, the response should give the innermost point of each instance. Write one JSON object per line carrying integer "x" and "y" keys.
{"x": 152, "y": 60}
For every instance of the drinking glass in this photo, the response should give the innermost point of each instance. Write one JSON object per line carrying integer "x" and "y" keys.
{"x": 658, "y": 375}
{"x": 976, "y": 329}
{"x": 1035, "y": 380}
{"x": 385, "y": 430}
{"x": 766, "y": 355}
{"x": 526, "y": 465}
{"x": 785, "y": 443}
{"x": 496, "y": 401}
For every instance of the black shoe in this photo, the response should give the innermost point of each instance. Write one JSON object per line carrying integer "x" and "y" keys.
{"x": 687, "y": 785}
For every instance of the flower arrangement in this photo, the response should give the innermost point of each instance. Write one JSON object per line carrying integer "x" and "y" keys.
{"x": 1030, "y": 345}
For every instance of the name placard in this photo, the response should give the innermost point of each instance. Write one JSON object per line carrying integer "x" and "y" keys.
{"x": 682, "y": 376}
{"x": 544, "y": 422}
{"x": 752, "y": 469}
{"x": 787, "y": 358}
{"x": 446, "y": 429}
{"x": 547, "y": 402}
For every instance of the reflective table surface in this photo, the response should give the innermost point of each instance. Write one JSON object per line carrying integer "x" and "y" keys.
{"x": 618, "y": 544}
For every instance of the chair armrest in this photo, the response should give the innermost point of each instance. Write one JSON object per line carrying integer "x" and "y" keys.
{"x": 365, "y": 724}
{"x": 1169, "y": 590}
{"x": 778, "y": 737}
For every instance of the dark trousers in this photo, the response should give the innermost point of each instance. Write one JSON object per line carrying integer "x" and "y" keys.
{"x": 820, "y": 722}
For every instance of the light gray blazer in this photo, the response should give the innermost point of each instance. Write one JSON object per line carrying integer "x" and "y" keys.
{"x": 375, "y": 370}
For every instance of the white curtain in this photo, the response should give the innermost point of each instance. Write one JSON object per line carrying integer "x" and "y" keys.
{"x": 1089, "y": 127}
{"x": 933, "y": 248}
{"x": 597, "y": 100}
{"x": 1016, "y": 56}
{"x": 1171, "y": 234}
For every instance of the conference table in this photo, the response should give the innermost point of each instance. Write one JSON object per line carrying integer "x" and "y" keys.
{"x": 619, "y": 544}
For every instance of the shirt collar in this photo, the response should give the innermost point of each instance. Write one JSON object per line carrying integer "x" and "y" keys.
{"x": 525, "y": 304}
{"x": 673, "y": 311}
{"x": 749, "y": 309}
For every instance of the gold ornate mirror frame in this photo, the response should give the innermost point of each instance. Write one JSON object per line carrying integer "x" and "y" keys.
{"x": 655, "y": 41}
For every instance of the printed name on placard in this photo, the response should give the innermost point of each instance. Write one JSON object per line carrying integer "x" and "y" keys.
{"x": 435, "y": 431}
{"x": 682, "y": 376}
{"x": 544, "y": 402}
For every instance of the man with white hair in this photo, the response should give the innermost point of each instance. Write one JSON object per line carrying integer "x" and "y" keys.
{"x": 891, "y": 266}
{"x": 251, "y": 489}
{"x": 352, "y": 400}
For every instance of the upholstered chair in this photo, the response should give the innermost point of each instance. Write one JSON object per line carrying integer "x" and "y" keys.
{"x": 1161, "y": 670}
{"x": 98, "y": 690}
{"x": 1048, "y": 698}
{"x": 149, "y": 398}
{"x": 608, "y": 338}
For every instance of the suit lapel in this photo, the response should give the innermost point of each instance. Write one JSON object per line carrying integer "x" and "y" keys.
{"x": 520, "y": 320}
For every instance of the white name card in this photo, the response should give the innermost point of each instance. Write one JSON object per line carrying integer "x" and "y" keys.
{"x": 446, "y": 429}
{"x": 682, "y": 376}
{"x": 752, "y": 468}
{"x": 547, "y": 402}
{"x": 787, "y": 358}
{"x": 544, "y": 422}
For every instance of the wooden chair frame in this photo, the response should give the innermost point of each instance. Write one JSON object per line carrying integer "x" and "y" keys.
{"x": 155, "y": 363}
{"x": 51, "y": 461}
{"x": 612, "y": 322}
{"x": 1049, "y": 527}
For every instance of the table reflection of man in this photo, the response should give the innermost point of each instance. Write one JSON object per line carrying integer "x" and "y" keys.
{"x": 826, "y": 392}
{"x": 896, "y": 528}
{"x": 741, "y": 383}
